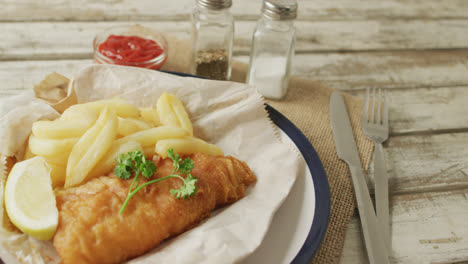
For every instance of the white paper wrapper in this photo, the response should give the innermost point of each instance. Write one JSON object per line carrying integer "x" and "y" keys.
{"x": 17, "y": 113}
{"x": 230, "y": 115}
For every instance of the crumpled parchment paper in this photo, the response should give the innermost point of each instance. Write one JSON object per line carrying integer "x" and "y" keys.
{"x": 230, "y": 115}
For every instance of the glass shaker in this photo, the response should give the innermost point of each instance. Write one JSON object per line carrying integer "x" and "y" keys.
{"x": 273, "y": 45}
{"x": 212, "y": 39}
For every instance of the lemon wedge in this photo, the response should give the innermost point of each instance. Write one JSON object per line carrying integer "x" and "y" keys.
{"x": 30, "y": 200}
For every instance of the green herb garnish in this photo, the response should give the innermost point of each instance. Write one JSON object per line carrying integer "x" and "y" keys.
{"x": 136, "y": 162}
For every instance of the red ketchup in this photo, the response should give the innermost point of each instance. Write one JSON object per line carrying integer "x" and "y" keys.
{"x": 132, "y": 50}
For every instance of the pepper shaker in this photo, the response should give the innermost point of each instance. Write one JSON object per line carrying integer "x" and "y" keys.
{"x": 273, "y": 45}
{"x": 212, "y": 39}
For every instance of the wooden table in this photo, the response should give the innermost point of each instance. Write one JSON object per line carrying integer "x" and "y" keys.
{"x": 417, "y": 49}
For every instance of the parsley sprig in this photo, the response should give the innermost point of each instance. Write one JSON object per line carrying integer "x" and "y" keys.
{"x": 136, "y": 162}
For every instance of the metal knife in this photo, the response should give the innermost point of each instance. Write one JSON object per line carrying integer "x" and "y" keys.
{"x": 347, "y": 151}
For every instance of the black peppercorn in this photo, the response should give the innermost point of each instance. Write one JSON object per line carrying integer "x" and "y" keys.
{"x": 212, "y": 64}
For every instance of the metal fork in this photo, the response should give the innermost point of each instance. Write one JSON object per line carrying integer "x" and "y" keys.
{"x": 375, "y": 127}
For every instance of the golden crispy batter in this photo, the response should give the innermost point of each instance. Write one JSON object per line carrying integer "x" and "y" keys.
{"x": 91, "y": 230}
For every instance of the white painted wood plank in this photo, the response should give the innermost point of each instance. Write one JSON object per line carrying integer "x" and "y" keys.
{"x": 381, "y": 35}
{"x": 422, "y": 110}
{"x": 402, "y": 69}
{"x": 426, "y": 228}
{"x": 63, "y": 40}
{"x": 411, "y": 110}
{"x": 397, "y": 69}
{"x": 73, "y": 40}
{"x": 17, "y": 76}
{"x": 29, "y": 10}
{"x": 428, "y": 106}
{"x": 427, "y": 162}
{"x": 353, "y": 71}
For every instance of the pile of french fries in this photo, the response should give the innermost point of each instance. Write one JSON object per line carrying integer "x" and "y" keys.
{"x": 87, "y": 138}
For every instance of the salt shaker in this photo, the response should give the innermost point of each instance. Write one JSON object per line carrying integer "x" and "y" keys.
{"x": 273, "y": 45}
{"x": 212, "y": 39}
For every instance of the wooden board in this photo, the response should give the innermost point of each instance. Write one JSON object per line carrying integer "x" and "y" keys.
{"x": 128, "y": 10}
{"x": 426, "y": 228}
{"x": 17, "y": 76}
{"x": 427, "y": 110}
{"x": 395, "y": 69}
{"x": 427, "y": 162}
{"x": 61, "y": 40}
{"x": 356, "y": 71}
{"x": 418, "y": 49}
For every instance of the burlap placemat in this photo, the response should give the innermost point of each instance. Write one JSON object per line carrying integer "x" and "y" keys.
{"x": 307, "y": 106}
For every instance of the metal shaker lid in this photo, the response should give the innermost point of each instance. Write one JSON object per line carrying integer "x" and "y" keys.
{"x": 215, "y": 4}
{"x": 280, "y": 9}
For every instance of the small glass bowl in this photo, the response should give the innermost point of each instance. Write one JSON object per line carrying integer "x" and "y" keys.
{"x": 134, "y": 30}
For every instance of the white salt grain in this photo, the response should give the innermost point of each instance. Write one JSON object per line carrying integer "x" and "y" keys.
{"x": 268, "y": 74}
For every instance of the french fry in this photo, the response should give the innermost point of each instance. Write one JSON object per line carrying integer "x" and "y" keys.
{"x": 149, "y": 137}
{"x": 57, "y": 174}
{"x": 27, "y": 152}
{"x": 50, "y": 147}
{"x": 91, "y": 147}
{"x": 79, "y": 111}
{"x": 56, "y": 163}
{"x": 61, "y": 159}
{"x": 165, "y": 112}
{"x": 149, "y": 151}
{"x": 128, "y": 126}
{"x": 187, "y": 145}
{"x": 181, "y": 113}
{"x": 121, "y": 107}
{"x": 80, "y": 149}
{"x": 108, "y": 162}
{"x": 60, "y": 129}
{"x": 150, "y": 115}
{"x": 83, "y": 143}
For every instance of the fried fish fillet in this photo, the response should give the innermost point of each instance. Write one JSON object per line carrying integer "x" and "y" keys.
{"x": 91, "y": 230}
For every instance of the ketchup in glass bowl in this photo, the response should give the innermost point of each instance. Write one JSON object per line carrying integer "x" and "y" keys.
{"x": 131, "y": 46}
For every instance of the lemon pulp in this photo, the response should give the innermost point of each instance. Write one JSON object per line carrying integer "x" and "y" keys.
{"x": 29, "y": 198}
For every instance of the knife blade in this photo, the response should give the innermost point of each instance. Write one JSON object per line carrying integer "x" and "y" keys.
{"x": 347, "y": 151}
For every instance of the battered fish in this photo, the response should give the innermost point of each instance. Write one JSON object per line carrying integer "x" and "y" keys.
{"x": 91, "y": 230}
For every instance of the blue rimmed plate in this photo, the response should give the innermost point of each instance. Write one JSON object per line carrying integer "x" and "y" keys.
{"x": 299, "y": 225}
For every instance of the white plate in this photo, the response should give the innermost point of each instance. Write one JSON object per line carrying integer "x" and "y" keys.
{"x": 291, "y": 223}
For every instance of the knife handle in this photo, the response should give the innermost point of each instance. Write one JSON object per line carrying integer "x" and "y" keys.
{"x": 375, "y": 244}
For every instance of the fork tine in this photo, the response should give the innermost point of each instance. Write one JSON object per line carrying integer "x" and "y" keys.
{"x": 372, "y": 113}
{"x": 385, "y": 109}
{"x": 366, "y": 107}
{"x": 379, "y": 106}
